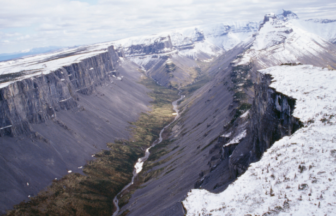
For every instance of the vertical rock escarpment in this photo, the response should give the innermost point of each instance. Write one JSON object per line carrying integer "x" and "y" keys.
{"x": 159, "y": 45}
{"x": 270, "y": 120}
{"x": 33, "y": 100}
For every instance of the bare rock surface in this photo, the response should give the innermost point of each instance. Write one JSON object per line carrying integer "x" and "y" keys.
{"x": 65, "y": 136}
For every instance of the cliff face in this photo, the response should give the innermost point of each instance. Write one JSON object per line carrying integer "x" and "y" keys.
{"x": 217, "y": 137}
{"x": 56, "y": 122}
{"x": 37, "y": 99}
{"x": 157, "y": 46}
{"x": 270, "y": 120}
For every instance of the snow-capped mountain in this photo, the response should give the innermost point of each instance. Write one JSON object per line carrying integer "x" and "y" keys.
{"x": 185, "y": 48}
{"x": 308, "y": 37}
{"x": 209, "y": 39}
{"x": 198, "y": 43}
{"x": 281, "y": 40}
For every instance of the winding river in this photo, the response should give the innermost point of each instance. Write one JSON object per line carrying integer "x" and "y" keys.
{"x": 139, "y": 164}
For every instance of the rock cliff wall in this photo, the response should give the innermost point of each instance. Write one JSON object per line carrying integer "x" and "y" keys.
{"x": 37, "y": 99}
{"x": 159, "y": 45}
{"x": 270, "y": 120}
{"x": 58, "y": 121}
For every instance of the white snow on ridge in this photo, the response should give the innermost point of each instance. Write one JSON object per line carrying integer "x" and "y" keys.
{"x": 46, "y": 63}
{"x": 217, "y": 34}
{"x": 281, "y": 41}
{"x": 326, "y": 30}
{"x": 211, "y": 39}
{"x": 297, "y": 175}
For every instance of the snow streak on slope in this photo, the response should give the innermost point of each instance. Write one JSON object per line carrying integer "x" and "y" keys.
{"x": 296, "y": 176}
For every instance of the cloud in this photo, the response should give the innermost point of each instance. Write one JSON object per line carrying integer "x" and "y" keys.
{"x": 67, "y": 23}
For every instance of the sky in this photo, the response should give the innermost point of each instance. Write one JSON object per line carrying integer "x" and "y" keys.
{"x": 27, "y": 24}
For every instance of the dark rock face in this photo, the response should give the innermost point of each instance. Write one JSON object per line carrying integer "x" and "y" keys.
{"x": 287, "y": 15}
{"x": 321, "y": 20}
{"x": 199, "y": 36}
{"x": 228, "y": 150}
{"x": 271, "y": 119}
{"x": 267, "y": 18}
{"x": 160, "y": 45}
{"x": 37, "y": 99}
{"x": 59, "y": 120}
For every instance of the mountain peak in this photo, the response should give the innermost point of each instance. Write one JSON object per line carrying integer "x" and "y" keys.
{"x": 281, "y": 15}
{"x": 286, "y": 15}
{"x": 268, "y": 17}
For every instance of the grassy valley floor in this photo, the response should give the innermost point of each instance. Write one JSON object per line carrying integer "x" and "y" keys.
{"x": 109, "y": 172}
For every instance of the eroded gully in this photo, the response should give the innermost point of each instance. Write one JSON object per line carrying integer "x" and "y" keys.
{"x": 139, "y": 164}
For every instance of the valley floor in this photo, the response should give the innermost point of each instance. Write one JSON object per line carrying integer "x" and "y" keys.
{"x": 109, "y": 172}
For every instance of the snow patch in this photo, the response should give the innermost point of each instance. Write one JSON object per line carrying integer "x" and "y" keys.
{"x": 245, "y": 114}
{"x": 226, "y": 135}
{"x": 6, "y": 127}
{"x": 237, "y": 138}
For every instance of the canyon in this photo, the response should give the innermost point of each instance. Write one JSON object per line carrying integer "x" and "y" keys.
{"x": 60, "y": 111}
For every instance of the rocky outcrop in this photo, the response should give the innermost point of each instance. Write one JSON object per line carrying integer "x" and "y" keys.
{"x": 36, "y": 99}
{"x": 159, "y": 45}
{"x": 270, "y": 120}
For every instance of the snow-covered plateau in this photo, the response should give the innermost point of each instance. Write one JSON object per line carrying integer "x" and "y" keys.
{"x": 46, "y": 63}
{"x": 296, "y": 176}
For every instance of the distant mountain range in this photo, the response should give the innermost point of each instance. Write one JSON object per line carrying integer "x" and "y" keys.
{"x": 34, "y": 51}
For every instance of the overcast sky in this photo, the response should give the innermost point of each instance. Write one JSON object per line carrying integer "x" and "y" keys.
{"x": 26, "y": 24}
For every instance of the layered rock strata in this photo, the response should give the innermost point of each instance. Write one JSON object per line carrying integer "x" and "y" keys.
{"x": 37, "y": 99}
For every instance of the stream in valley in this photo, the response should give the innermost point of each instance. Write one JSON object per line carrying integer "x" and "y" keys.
{"x": 139, "y": 164}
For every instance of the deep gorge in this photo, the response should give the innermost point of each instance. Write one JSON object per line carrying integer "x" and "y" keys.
{"x": 194, "y": 148}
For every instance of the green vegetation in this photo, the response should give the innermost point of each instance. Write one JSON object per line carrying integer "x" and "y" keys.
{"x": 170, "y": 67}
{"x": 214, "y": 140}
{"x": 239, "y": 75}
{"x": 199, "y": 71}
{"x": 199, "y": 82}
{"x": 240, "y": 110}
{"x": 248, "y": 83}
{"x": 125, "y": 213}
{"x": 112, "y": 169}
{"x": 240, "y": 95}
{"x": 241, "y": 83}
{"x": 156, "y": 165}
